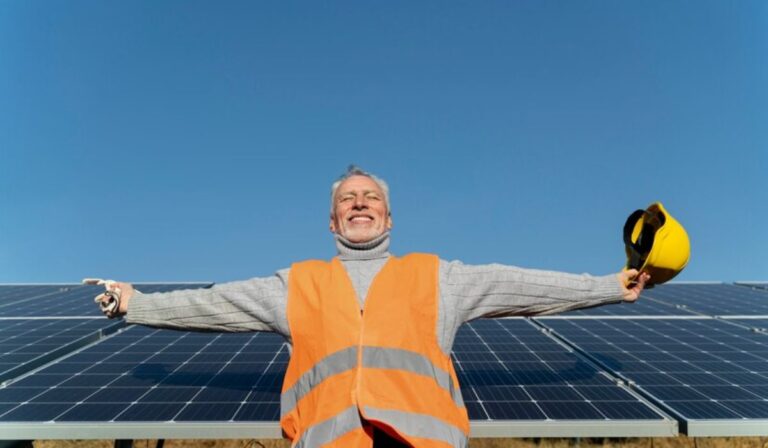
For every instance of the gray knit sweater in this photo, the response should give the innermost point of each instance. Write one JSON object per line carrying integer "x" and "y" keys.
{"x": 466, "y": 293}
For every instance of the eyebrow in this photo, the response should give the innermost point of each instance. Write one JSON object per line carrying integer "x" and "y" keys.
{"x": 348, "y": 193}
{"x": 343, "y": 193}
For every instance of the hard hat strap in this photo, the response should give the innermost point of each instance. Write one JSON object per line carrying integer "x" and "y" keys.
{"x": 638, "y": 250}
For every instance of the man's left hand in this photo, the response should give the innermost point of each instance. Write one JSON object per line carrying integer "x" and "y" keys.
{"x": 632, "y": 284}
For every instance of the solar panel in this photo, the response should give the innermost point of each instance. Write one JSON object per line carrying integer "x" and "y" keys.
{"x": 755, "y": 324}
{"x": 39, "y": 323}
{"x": 643, "y": 307}
{"x": 759, "y": 285}
{"x": 29, "y": 343}
{"x": 168, "y": 381}
{"x": 516, "y": 381}
{"x": 73, "y": 300}
{"x": 713, "y": 299}
{"x": 12, "y": 293}
{"x": 711, "y": 374}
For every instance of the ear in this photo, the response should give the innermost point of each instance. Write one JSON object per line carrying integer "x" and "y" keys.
{"x": 389, "y": 222}
{"x": 332, "y": 225}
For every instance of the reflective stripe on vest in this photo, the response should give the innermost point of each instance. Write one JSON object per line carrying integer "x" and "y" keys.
{"x": 419, "y": 425}
{"x": 395, "y": 358}
{"x": 332, "y": 364}
{"x": 373, "y": 357}
{"x": 414, "y": 425}
{"x": 329, "y": 430}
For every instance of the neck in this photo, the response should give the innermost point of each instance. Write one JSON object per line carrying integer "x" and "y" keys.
{"x": 368, "y": 250}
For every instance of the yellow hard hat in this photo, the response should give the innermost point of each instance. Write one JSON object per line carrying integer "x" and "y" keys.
{"x": 656, "y": 243}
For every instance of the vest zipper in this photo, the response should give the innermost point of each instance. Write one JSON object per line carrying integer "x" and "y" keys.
{"x": 359, "y": 372}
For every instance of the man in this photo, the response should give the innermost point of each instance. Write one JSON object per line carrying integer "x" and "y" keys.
{"x": 371, "y": 333}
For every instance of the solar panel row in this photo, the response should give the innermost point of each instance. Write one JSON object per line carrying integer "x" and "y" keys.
{"x": 517, "y": 380}
{"x": 510, "y": 371}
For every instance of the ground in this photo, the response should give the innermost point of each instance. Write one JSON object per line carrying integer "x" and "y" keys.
{"x": 666, "y": 442}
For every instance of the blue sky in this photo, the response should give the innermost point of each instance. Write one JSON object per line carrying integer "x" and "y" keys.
{"x": 188, "y": 140}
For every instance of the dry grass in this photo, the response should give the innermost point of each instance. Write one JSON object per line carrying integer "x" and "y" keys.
{"x": 665, "y": 442}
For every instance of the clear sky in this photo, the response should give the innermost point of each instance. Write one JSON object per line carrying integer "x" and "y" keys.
{"x": 190, "y": 140}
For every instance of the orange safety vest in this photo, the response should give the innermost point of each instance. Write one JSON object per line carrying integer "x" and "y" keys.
{"x": 382, "y": 365}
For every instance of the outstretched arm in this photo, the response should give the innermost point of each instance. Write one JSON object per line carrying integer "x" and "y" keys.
{"x": 257, "y": 304}
{"x": 469, "y": 292}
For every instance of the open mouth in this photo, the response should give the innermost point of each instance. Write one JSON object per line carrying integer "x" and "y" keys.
{"x": 360, "y": 219}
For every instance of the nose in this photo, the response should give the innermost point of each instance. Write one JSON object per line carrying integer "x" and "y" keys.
{"x": 360, "y": 202}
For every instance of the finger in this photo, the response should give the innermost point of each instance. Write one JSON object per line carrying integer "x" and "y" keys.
{"x": 642, "y": 282}
{"x": 104, "y": 298}
{"x": 108, "y": 284}
{"x": 630, "y": 278}
{"x": 108, "y": 303}
{"x": 92, "y": 281}
{"x": 643, "y": 278}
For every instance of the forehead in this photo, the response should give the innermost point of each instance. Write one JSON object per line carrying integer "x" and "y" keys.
{"x": 359, "y": 183}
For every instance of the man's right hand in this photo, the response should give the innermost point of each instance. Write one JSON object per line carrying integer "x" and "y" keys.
{"x": 632, "y": 283}
{"x": 114, "y": 290}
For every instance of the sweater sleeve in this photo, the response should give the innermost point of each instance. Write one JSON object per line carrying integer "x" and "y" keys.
{"x": 469, "y": 292}
{"x": 258, "y": 304}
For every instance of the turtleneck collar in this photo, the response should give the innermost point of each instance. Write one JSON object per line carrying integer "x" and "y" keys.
{"x": 369, "y": 250}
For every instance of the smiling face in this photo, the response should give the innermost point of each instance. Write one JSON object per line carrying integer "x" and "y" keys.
{"x": 359, "y": 210}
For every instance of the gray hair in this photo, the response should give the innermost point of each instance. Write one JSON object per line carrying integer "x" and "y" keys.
{"x": 354, "y": 170}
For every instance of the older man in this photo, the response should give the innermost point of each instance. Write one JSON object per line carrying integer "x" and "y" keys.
{"x": 371, "y": 333}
